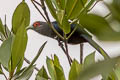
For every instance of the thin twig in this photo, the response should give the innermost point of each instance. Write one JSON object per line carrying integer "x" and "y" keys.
{"x": 38, "y": 10}
{"x": 81, "y": 53}
{"x": 62, "y": 47}
{"x": 1, "y": 40}
{"x": 107, "y": 15}
{"x": 67, "y": 53}
{"x": 5, "y": 76}
{"x": 72, "y": 32}
{"x": 27, "y": 61}
{"x": 49, "y": 22}
{"x": 37, "y": 3}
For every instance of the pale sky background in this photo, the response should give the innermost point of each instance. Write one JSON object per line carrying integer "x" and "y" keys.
{"x": 35, "y": 40}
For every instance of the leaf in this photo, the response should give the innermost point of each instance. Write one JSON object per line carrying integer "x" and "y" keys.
{"x": 75, "y": 70}
{"x": 66, "y": 25}
{"x": 60, "y": 4}
{"x": 89, "y": 60}
{"x": 19, "y": 46}
{"x": 117, "y": 71}
{"x": 55, "y": 69}
{"x": 20, "y": 64}
{"x": 58, "y": 69}
{"x": 21, "y": 12}
{"x": 42, "y": 74}
{"x": 1, "y": 72}
{"x": 7, "y": 31}
{"x": 60, "y": 15}
{"x": 26, "y": 74}
{"x": 51, "y": 69}
{"x": 114, "y": 7}
{"x": 51, "y": 8}
{"x": 90, "y": 3}
{"x": 98, "y": 26}
{"x": 73, "y": 8}
{"x": 38, "y": 54}
{"x": 31, "y": 66}
{"x": 56, "y": 62}
{"x": 1, "y": 28}
{"x": 5, "y": 52}
{"x": 59, "y": 73}
{"x": 102, "y": 67}
{"x": 16, "y": 75}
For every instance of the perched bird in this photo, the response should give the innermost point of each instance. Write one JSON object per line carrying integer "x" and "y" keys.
{"x": 79, "y": 36}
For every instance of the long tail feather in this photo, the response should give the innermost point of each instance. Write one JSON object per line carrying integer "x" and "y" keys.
{"x": 96, "y": 46}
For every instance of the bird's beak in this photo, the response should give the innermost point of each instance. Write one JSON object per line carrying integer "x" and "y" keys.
{"x": 30, "y": 27}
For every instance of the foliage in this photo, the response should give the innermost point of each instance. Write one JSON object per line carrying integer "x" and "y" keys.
{"x": 65, "y": 12}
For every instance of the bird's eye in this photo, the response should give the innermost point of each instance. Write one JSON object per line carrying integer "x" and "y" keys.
{"x": 36, "y": 24}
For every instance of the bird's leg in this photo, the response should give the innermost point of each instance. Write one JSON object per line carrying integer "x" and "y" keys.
{"x": 81, "y": 53}
{"x": 60, "y": 43}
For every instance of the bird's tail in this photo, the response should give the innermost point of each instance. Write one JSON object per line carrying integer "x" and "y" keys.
{"x": 96, "y": 46}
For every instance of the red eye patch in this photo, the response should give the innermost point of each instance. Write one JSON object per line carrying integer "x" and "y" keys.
{"x": 36, "y": 24}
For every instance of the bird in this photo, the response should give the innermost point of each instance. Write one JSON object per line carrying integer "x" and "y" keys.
{"x": 79, "y": 36}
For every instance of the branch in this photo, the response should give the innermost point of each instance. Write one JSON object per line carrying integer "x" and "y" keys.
{"x": 27, "y": 61}
{"x": 81, "y": 53}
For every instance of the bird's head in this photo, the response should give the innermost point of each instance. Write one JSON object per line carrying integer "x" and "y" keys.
{"x": 37, "y": 25}
{"x": 41, "y": 27}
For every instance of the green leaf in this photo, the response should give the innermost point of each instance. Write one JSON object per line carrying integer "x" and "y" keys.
{"x": 89, "y": 60}
{"x": 114, "y": 7}
{"x": 75, "y": 70}
{"x": 62, "y": 19}
{"x": 16, "y": 75}
{"x": 5, "y": 52}
{"x": 1, "y": 28}
{"x": 60, "y": 15}
{"x": 19, "y": 46}
{"x": 7, "y": 31}
{"x": 73, "y": 8}
{"x": 21, "y": 12}
{"x": 102, "y": 67}
{"x": 42, "y": 74}
{"x": 26, "y": 74}
{"x": 66, "y": 25}
{"x": 117, "y": 71}
{"x": 90, "y": 3}
{"x": 55, "y": 69}
{"x": 58, "y": 69}
{"x": 20, "y": 64}
{"x": 98, "y": 26}
{"x": 60, "y": 4}
{"x": 51, "y": 69}
{"x": 51, "y": 8}
{"x": 59, "y": 73}
{"x": 56, "y": 62}
{"x": 38, "y": 54}
{"x": 31, "y": 66}
{"x": 1, "y": 72}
